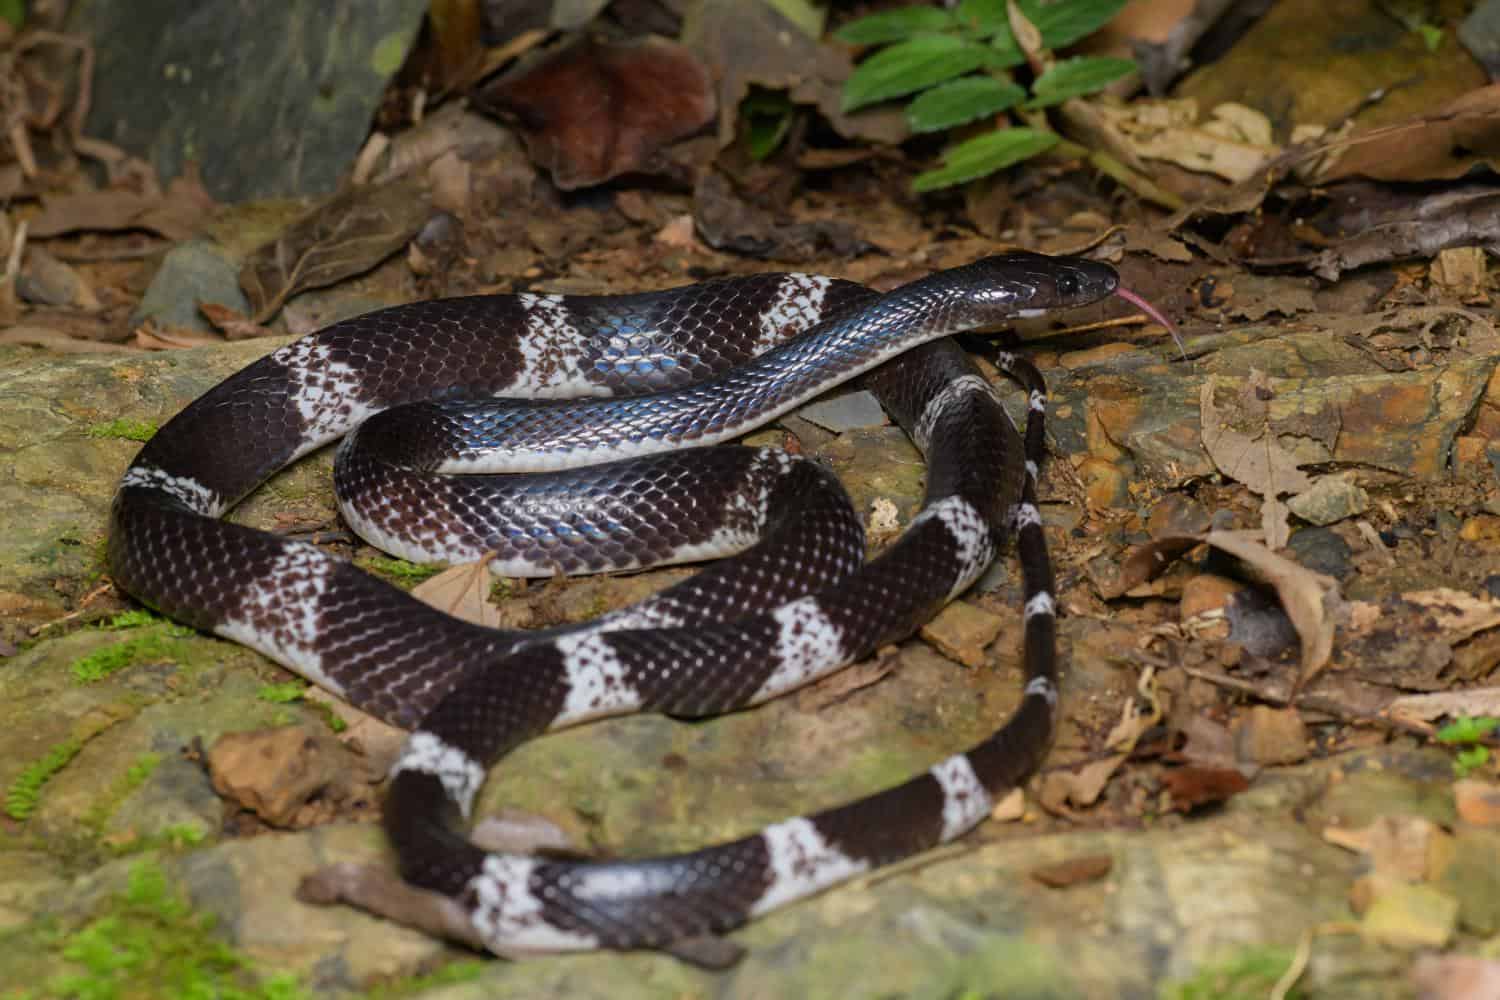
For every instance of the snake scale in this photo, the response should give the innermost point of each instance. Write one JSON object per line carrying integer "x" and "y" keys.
{"x": 477, "y": 385}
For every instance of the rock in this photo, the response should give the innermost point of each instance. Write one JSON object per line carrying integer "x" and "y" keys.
{"x": 1411, "y": 917}
{"x": 1331, "y": 498}
{"x": 846, "y": 412}
{"x": 1471, "y": 876}
{"x": 270, "y": 101}
{"x": 1268, "y": 736}
{"x": 1478, "y": 802}
{"x": 191, "y": 273}
{"x": 1322, "y": 550}
{"x": 962, "y": 631}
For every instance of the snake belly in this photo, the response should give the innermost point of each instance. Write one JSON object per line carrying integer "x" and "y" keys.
{"x": 438, "y": 387}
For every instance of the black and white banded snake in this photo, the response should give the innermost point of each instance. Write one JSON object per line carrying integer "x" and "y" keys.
{"x": 429, "y": 387}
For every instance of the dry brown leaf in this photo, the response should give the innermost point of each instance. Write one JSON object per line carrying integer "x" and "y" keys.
{"x": 1234, "y": 144}
{"x": 232, "y": 323}
{"x": 346, "y": 235}
{"x": 462, "y": 591}
{"x": 1243, "y": 446}
{"x": 1440, "y": 145}
{"x": 590, "y": 110}
{"x": 1408, "y": 848}
{"x": 1456, "y": 611}
{"x": 1191, "y": 786}
{"x": 1305, "y": 595}
{"x": 1073, "y": 871}
{"x": 155, "y": 337}
{"x": 1452, "y": 704}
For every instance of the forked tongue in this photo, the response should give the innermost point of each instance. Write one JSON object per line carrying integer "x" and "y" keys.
{"x": 1153, "y": 312}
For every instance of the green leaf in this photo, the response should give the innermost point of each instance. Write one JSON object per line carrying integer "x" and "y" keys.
{"x": 767, "y": 118}
{"x": 985, "y": 154}
{"x": 985, "y": 18}
{"x": 13, "y": 11}
{"x": 1076, "y": 77}
{"x": 1467, "y": 729}
{"x": 895, "y": 26}
{"x": 911, "y": 66}
{"x": 810, "y": 17}
{"x": 1469, "y": 760}
{"x": 1062, "y": 24}
{"x": 960, "y": 101}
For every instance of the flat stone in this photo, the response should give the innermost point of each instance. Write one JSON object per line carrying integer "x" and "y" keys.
{"x": 846, "y": 412}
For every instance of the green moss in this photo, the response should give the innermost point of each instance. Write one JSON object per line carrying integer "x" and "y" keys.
{"x": 135, "y": 618}
{"x": 282, "y": 694}
{"x": 151, "y": 944}
{"x": 296, "y": 691}
{"x": 157, "y": 644}
{"x": 451, "y": 974}
{"x": 128, "y": 430}
{"x": 26, "y": 790}
{"x": 1248, "y": 975}
{"x": 134, "y": 777}
{"x": 399, "y": 571}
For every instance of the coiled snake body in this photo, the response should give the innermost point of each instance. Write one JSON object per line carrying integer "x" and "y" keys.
{"x": 686, "y": 367}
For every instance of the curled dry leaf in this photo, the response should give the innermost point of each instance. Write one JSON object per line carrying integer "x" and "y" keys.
{"x": 591, "y": 111}
{"x": 232, "y": 323}
{"x": 1307, "y": 597}
{"x": 346, "y": 235}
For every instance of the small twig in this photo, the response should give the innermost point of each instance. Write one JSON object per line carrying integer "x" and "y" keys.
{"x": 83, "y": 607}
{"x": 1298, "y": 966}
{"x": 17, "y": 249}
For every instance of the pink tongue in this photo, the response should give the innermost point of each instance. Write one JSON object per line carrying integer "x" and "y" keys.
{"x": 1153, "y": 312}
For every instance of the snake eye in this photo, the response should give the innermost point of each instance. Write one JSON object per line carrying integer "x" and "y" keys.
{"x": 1067, "y": 285}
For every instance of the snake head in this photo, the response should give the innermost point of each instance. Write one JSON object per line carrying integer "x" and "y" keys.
{"x": 1028, "y": 284}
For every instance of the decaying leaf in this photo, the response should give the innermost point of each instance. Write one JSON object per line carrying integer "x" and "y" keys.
{"x": 1083, "y": 785}
{"x": 591, "y": 111}
{"x": 346, "y": 235}
{"x": 462, "y": 591}
{"x": 753, "y": 44}
{"x": 1457, "y": 217}
{"x": 1235, "y": 143}
{"x": 177, "y": 215}
{"x": 1191, "y": 787}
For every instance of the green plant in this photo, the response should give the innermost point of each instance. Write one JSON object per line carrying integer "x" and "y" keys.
{"x": 291, "y": 692}
{"x": 26, "y": 789}
{"x": 957, "y": 62}
{"x": 399, "y": 571}
{"x": 151, "y": 944}
{"x": 1467, "y": 732}
{"x": 1249, "y": 975}
{"x": 128, "y": 430}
